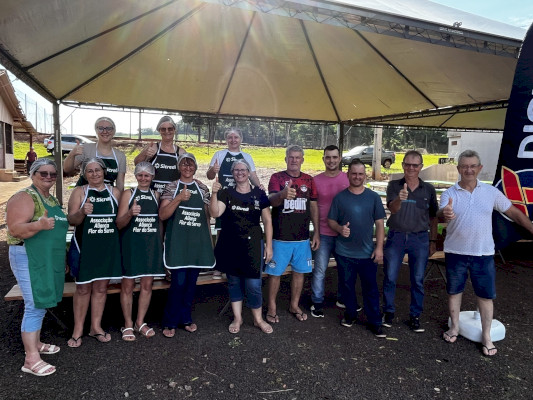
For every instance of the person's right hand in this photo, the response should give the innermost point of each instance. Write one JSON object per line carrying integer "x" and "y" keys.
{"x": 216, "y": 167}
{"x": 151, "y": 150}
{"x": 345, "y": 230}
{"x": 216, "y": 186}
{"x": 135, "y": 209}
{"x": 184, "y": 195}
{"x": 78, "y": 149}
{"x": 46, "y": 224}
{"x": 87, "y": 208}
{"x": 288, "y": 192}
{"x": 404, "y": 194}
{"x": 448, "y": 210}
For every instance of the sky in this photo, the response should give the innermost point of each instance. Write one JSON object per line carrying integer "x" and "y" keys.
{"x": 513, "y": 12}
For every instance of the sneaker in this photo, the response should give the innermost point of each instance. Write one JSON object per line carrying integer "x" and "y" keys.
{"x": 388, "y": 317}
{"x": 377, "y": 330}
{"x": 359, "y": 309}
{"x": 316, "y": 311}
{"x": 414, "y": 324}
{"x": 347, "y": 323}
{"x": 217, "y": 274}
{"x": 340, "y": 305}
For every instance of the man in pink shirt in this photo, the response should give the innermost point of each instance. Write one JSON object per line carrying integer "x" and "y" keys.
{"x": 328, "y": 184}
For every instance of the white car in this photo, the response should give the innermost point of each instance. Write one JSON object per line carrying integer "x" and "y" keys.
{"x": 67, "y": 143}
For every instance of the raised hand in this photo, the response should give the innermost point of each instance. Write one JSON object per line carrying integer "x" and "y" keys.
{"x": 345, "y": 230}
{"x": 87, "y": 208}
{"x": 289, "y": 192}
{"x": 184, "y": 195}
{"x": 135, "y": 209}
{"x": 448, "y": 210}
{"x": 78, "y": 149}
{"x": 404, "y": 194}
{"x": 46, "y": 224}
{"x": 216, "y": 186}
{"x": 216, "y": 167}
{"x": 150, "y": 152}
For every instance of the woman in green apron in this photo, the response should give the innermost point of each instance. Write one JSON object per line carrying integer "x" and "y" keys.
{"x": 36, "y": 231}
{"x": 92, "y": 209}
{"x": 163, "y": 155}
{"x": 114, "y": 159}
{"x": 142, "y": 249}
{"x": 239, "y": 250}
{"x": 188, "y": 246}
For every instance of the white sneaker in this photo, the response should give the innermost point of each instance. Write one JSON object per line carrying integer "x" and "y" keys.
{"x": 340, "y": 305}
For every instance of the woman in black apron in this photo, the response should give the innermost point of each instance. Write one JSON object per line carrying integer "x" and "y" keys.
{"x": 92, "y": 209}
{"x": 188, "y": 246}
{"x": 114, "y": 159}
{"x": 239, "y": 249}
{"x": 163, "y": 155}
{"x": 142, "y": 249}
{"x": 36, "y": 231}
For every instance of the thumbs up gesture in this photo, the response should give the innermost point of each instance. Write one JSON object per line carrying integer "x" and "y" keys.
{"x": 216, "y": 186}
{"x": 345, "y": 230}
{"x": 47, "y": 224}
{"x": 87, "y": 208}
{"x": 151, "y": 150}
{"x": 404, "y": 193}
{"x": 185, "y": 195}
{"x": 289, "y": 192}
{"x": 78, "y": 149}
{"x": 216, "y": 167}
{"x": 448, "y": 210}
{"x": 135, "y": 209}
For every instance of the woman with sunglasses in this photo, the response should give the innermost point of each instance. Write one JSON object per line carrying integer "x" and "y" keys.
{"x": 92, "y": 209}
{"x": 163, "y": 155}
{"x": 114, "y": 159}
{"x": 36, "y": 231}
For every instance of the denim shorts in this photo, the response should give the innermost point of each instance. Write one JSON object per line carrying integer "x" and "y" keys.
{"x": 298, "y": 254}
{"x": 482, "y": 274}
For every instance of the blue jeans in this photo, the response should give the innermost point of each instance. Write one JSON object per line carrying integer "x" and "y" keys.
{"x": 322, "y": 255}
{"x": 416, "y": 245}
{"x": 32, "y": 320}
{"x": 180, "y": 297}
{"x": 250, "y": 288}
{"x": 367, "y": 270}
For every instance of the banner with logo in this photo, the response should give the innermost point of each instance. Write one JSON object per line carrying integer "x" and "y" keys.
{"x": 514, "y": 175}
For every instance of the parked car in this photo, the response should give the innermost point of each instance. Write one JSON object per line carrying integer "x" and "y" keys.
{"x": 365, "y": 154}
{"x": 67, "y": 143}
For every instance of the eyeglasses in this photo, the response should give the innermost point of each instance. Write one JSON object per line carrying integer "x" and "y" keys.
{"x": 169, "y": 129}
{"x": 190, "y": 166}
{"x": 466, "y": 167}
{"x": 105, "y": 128}
{"x": 46, "y": 174}
{"x": 94, "y": 171}
{"x": 239, "y": 170}
{"x": 409, "y": 165}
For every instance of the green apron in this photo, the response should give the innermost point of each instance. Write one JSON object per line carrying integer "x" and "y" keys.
{"x": 111, "y": 172}
{"x": 188, "y": 241}
{"x": 166, "y": 168}
{"x": 98, "y": 240}
{"x": 46, "y": 252}
{"x": 142, "y": 249}
{"x": 225, "y": 177}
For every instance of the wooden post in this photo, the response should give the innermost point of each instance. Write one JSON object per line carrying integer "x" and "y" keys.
{"x": 376, "y": 158}
{"x": 58, "y": 153}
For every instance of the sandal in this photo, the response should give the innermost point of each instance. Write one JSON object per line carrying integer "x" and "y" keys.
{"x": 299, "y": 315}
{"x": 101, "y": 337}
{"x": 234, "y": 327}
{"x": 170, "y": 332}
{"x": 265, "y": 327}
{"x": 49, "y": 349}
{"x": 190, "y": 327}
{"x": 73, "y": 342}
{"x": 273, "y": 319}
{"x": 146, "y": 332}
{"x": 449, "y": 338}
{"x": 127, "y": 337}
{"x": 40, "y": 368}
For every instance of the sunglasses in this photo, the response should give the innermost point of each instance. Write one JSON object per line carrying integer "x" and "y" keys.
{"x": 46, "y": 174}
{"x": 170, "y": 129}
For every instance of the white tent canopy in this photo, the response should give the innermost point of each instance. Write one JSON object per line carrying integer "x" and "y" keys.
{"x": 400, "y": 62}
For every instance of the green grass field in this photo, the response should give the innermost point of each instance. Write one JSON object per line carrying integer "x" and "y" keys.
{"x": 264, "y": 157}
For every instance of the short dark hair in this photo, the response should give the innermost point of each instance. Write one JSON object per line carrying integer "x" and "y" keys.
{"x": 355, "y": 161}
{"x": 331, "y": 147}
{"x": 413, "y": 153}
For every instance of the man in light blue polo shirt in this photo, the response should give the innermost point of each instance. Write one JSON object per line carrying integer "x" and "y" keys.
{"x": 469, "y": 248}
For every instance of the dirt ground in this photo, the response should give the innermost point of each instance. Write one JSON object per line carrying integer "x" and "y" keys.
{"x": 316, "y": 359}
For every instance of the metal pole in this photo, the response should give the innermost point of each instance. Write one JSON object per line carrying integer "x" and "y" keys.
{"x": 58, "y": 156}
{"x": 376, "y": 157}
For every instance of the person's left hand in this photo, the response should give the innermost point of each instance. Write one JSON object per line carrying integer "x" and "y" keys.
{"x": 267, "y": 255}
{"x": 377, "y": 256}
{"x": 315, "y": 243}
{"x": 135, "y": 209}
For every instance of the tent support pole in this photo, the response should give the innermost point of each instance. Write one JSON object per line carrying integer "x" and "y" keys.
{"x": 58, "y": 153}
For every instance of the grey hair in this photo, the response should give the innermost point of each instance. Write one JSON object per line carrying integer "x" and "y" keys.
{"x": 107, "y": 119}
{"x": 144, "y": 166}
{"x": 413, "y": 153}
{"x": 91, "y": 160}
{"x": 241, "y": 161}
{"x": 166, "y": 118}
{"x": 233, "y": 130}
{"x": 294, "y": 148}
{"x": 187, "y": 155}
{"x": 468, "y": 154}
{"x": 39, "y": 163}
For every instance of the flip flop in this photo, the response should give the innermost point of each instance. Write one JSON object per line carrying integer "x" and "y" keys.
{"x": 300, "y": 316}
{"x": 39, "y": 368}
{"x": 52, "y": 349}
{"x": 127, "y": 337}
{"x": 73, "y": 342}
{"x": 449, "y": 338}
{"x": 273, "y": 319}
{"x": 170, "y": 334}
{"x": 265, "y": 327}
{"x": 101, "y": 337}
{"x": 488, "y": 351}
{"x": 146, "y": 332}
{"x": 190, "y": 327}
